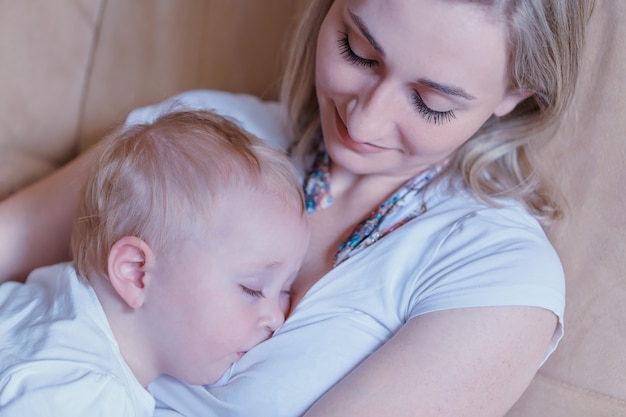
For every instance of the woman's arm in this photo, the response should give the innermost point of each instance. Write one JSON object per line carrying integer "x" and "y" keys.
{"x": 36, "y": 222}
{"x": 471, "y": 362}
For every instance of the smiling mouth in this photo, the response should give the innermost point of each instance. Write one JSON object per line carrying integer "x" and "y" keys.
{"x": 347, "y": 141}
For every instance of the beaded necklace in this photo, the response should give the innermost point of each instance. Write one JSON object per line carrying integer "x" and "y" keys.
{"x": 317, "y": 196}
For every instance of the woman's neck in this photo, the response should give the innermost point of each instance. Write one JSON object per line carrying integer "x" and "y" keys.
{"x": 364, "y": 191}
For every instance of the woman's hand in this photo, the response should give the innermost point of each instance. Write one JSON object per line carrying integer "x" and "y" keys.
{"x": 470, "y": 362}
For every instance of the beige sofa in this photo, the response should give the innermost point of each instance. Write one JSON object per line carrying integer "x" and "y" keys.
{"x": 70, "y": 69}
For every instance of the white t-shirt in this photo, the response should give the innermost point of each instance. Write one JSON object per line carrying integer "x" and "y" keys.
{"x": 58, "y": 356}
{"x": 459, "y": 253}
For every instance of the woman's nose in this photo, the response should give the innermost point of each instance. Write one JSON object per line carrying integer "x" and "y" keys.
{"x": 370, "y": 114}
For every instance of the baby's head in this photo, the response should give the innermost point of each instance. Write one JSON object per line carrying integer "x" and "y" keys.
{"x": 196, "y": 229}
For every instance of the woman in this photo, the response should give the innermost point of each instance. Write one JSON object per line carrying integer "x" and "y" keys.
{"x": 429, "y": 288}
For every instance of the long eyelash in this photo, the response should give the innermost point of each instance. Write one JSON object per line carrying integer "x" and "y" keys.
{"x": 348, "y": 54}
{"x": 254, "y": 293}
{"x": 433, "y": 116}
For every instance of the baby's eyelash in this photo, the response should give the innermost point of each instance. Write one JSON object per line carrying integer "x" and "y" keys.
{"x": 348, "y": 54}
{"x": 254, "y": 293}
{"x": 433, "y": 116}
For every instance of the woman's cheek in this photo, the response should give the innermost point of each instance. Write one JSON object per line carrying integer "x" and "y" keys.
{"x": 326, "y": 78}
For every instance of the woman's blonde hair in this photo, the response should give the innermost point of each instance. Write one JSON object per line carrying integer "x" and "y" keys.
{"x": 159, "y": 182}
{"x": 545, "y": 48}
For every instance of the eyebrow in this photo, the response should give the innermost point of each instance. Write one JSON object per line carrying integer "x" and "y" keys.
{"x": 445, "y": 89}
{"x": 359, "y": 23}
{"x": 264, "y": 266}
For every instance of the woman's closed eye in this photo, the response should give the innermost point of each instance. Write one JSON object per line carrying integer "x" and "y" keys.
{"x": 348, "y": 54}
{"x": 252, "y": 292}
{"x": 433, "y": 116}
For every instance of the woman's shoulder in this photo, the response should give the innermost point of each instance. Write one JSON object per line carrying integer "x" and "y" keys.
{"x": 483, "y": 254}
{"x": 503, "y": 232}
{"x": 453, "y": 199}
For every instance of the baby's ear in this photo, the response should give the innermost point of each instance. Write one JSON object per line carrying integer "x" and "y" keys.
{"x": 128, "y": 259}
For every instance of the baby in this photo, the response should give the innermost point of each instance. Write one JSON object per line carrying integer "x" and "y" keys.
{"x": 189, "y": 234}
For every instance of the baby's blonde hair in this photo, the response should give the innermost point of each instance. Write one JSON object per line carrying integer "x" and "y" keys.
{"x": 159, "y": 182}
{"x": 545, "y": 51}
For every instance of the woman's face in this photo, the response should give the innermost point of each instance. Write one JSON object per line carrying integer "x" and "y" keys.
{"x": 401, "y": 84}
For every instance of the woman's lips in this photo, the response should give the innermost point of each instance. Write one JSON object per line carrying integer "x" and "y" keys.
{"x": 348, "y": 142}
